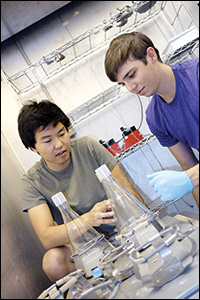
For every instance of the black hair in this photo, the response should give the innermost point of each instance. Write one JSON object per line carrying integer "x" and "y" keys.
{"x": 34, "y": 115}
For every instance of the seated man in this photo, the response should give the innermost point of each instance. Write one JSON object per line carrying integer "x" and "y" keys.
{"x": 66, "y": 165}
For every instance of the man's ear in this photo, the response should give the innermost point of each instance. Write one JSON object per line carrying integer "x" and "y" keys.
{"x": 152, "y": 54}
{"x": 33, "y": 149}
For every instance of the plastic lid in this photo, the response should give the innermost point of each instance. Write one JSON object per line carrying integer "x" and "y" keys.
{"x": 58, "y": 198}
{"x": 103, "y": 143}
{"x": 125, "y": 131}
{"x": 97, "y": 272}
{"x": 102, "y": 172}
{"x": 111, "y": 142}
{"x": 133, "y": 128}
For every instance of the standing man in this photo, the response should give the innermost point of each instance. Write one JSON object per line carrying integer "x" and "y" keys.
{"x": 173, "y": 113}
{"x": 66, "y": 165}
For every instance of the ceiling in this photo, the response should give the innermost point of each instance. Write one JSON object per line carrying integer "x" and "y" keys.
{"x": 18, "y": 15}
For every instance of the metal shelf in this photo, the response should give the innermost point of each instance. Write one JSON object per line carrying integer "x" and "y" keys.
{"x": 112, "y": 94}
{"x": 124, "y": 20}
{"x": 96, "y": 103}
{"x": 135, "y": 147}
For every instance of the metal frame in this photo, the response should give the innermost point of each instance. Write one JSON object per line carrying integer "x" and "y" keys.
{"x": 92, "y": 40}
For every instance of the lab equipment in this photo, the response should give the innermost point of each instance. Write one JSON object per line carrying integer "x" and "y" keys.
{"x": 136, "y": 133}
{"x": 112, "y": 146}
{"x": 86, "y": 242}
{"x": 81, "y": 288}
{"x": 131, "y": 136}
{"x": 141, "y": 283}
{"x": 162, "y": 257}
{"x": 170, "y": 185}
{"x": 57, "y": 290}
{"x": 153, "y": 251}
{"x": 116, "y": 262}
{"x": 129, "y": 213}
{"x": 157, "y": 255}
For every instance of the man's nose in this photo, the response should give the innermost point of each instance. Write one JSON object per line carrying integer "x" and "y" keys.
{"x": 131, "y": 86}
{"x": 58, "y": 143}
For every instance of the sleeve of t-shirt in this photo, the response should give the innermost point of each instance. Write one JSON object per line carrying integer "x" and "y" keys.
{"x": 30, "y": 194}
{"x": 166, "y": 140}
{"x": 101, "y": 154}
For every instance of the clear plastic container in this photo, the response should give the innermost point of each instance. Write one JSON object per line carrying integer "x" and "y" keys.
{"x": 128, "y": 210}
{"x": 87, "y": 243}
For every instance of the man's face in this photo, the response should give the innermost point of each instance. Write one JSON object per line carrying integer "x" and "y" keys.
{"x": 54, "y": 146}
{"x": 139, "y": 78}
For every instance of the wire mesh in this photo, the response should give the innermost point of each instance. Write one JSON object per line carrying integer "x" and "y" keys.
{"x": 124, "y": 20}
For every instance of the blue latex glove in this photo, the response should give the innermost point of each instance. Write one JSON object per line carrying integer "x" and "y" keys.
{"x": 170, "y": 184}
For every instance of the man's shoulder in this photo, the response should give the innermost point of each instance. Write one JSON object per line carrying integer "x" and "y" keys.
{"x": 187, "y": 64}
{"x": 77, "y": 140}
{"x": 34, "y": 169}
{"x": 84, "y": 140}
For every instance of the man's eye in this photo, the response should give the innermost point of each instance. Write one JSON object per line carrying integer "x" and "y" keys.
{"x": 48, "y": 141}
{"x": 62, "y": 134}
{"x": 132, "y": 75}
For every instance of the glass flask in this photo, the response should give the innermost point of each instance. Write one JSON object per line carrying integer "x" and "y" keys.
{"x": 129, "y": 213}
{"x": 87, "y": 243}
{"x": 127, "y": 209}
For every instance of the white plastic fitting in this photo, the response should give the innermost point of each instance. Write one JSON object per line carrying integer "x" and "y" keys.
{"x": 58, "y": 199}
{"x": 102, "y": 172}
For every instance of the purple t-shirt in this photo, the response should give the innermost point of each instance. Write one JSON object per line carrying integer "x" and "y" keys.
{"x": 178, "y": 120}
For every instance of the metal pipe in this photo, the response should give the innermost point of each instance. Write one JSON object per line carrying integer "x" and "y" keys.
{"x": 29, "y": 63}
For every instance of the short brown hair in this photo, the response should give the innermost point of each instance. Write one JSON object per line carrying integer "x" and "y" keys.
{"x": 123, "y": 47}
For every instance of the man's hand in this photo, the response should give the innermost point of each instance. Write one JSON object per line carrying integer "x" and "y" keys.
{"x": 100, "y": 214}
{"x": 170, "y": 185}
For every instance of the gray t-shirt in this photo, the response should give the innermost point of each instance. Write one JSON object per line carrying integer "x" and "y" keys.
{"x": 77, "y": 181}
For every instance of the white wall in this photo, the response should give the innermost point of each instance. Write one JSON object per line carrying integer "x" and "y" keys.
{"x": 9, "y": 112}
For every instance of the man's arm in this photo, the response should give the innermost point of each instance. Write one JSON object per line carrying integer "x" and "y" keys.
{"x": 188, "y": 161}
{"x": 171, "y": 185}
{"x": 184, "y": 155}
{"x": 52, "y": 236}
{"x": 42, "y": 221}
